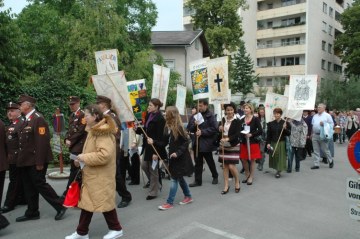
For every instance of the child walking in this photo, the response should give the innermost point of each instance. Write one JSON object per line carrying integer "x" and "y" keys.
{"x": 180, "y": 163}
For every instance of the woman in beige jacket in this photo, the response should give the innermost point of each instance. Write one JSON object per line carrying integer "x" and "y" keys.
{"x": 98, "y": 174}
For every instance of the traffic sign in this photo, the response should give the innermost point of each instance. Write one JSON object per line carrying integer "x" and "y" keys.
{"x": 354, "y": 151}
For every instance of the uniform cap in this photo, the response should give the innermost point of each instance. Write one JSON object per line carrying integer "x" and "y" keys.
{"x": 103, "y": 99}
{"x": 28, "y": 98}
{"x": 74, "y": 99}
{"x": 12, "y": 105}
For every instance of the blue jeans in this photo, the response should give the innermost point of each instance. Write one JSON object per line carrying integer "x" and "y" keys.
{"x": 174, "y": 187}
{"x": 299, "y": 156}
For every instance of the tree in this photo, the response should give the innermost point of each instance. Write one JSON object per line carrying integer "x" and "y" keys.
{"x": 348, "y": 42}
{"x": 220, "y": 21}
{"x": 279, "y": 87}
{"x": 243, "y": 73}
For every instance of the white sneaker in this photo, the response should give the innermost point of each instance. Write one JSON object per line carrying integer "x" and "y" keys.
{"x": 77, "y": 236}
{"x": 113, "y": 234}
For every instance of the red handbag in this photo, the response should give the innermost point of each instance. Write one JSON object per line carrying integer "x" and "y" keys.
{"x": 73, "y": 195}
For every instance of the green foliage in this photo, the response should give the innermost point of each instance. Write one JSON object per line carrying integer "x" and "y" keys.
{"x": 348, "y": 42}
{"x": 220, "y": 21}
{"x": 242, "y": 73}
{"x": 261, "y": 92}
{"x": 339, "y": 94}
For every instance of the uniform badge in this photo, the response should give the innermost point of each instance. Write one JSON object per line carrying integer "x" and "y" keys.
{"x": 9, "y": 137}
{"x": 42, "y": 130}
{"x": 83, "y": 121}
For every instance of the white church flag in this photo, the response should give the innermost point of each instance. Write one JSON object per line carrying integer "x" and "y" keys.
{"x": 160, "y": 84}
{"x": 199, "y": 78}
{"x": 273, "y": 101}
{"x": 218, "y": 78}
{"x": 302, "y": 92}
{"x": 106, "y": 61}
{"x": 114, "y": 87}
{"x": 180, "y": 98}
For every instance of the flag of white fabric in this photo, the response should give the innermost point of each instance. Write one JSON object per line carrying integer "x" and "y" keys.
{"x": 160, "y": 84}
{"x": 114, "y": 87}
{"x": 286, "y": 91}
{"x": 218, "y": 79}
{"x": 106, "y": 61}
{"x": 199, "y": 78}
{"x": 292, "y": 114}
{"x": 273, "y": 101}
{"x": 180, "y": 98}
{"x": 302, "y": 92}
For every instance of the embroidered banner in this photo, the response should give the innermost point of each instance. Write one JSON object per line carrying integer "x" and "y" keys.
{"x": 218, "y": 80}
{"x": 199, "y": 78}
{"x": 160, "y": 84}
{"x": 302, "y": 92}
{"x": 106, "y": 61}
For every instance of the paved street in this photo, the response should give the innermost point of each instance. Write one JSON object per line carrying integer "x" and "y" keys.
{"x": 308, "y": 204}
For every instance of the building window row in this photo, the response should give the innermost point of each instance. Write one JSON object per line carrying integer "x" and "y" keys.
{"x": 329, "y": 46}
{"x": 284, "y": 42}
{"x": 327, "y": 28}
{"x": 335, "y": 67}
{"x": 290, "y": 61}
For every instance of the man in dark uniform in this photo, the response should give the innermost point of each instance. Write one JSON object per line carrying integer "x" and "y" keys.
{"x": 3, "y": 159}
{"x": 105, "y": 106}
{"x": 15, "y": 192}
{"x": 34, "y": 156}
{"x": 76, "y": 135}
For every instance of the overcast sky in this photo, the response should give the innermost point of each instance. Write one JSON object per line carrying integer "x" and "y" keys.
{"x": 169, "y": 13}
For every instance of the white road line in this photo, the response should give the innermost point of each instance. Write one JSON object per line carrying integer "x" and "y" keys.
{"x": 196, "y": 225}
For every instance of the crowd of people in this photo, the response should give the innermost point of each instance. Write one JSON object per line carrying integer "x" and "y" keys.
{"x": 103, "y": 150}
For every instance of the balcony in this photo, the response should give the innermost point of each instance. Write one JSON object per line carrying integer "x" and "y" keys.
{"x": 280, "y": 70}
{"x": 293, "y": 48}
{"x": 282, "y": 11}
{"x": 281, "y": 31}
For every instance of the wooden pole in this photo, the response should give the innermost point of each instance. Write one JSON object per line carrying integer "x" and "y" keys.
{"x": 278, "y": 140}
{"x": 197, "y": 137}
{"x": 222, "y": 137}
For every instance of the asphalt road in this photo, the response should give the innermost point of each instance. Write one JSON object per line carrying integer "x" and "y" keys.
{"x": 308, "y": 204}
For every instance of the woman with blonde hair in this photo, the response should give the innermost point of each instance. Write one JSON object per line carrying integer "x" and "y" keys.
{"x": 180, "y": 163}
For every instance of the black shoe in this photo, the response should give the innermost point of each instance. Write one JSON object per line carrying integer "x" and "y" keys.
{"x": 150, "y": 197}
{"x": 3, "y": 222}
{"x": 123, "y": 204}
{"x": 315, "y": 167}
{"x": 133, "y": 183}
{"x": 325, "y": 160}
{"x": 6, "y": 209}
{"x": 277, "y": 175}
{"x": 331, "y": 165}
{"x": 242, "y": 170}
{"x": 194, "y": 184}
{"x": 237, "y": 190}
{"x": 215, "y": 181}
{"x": 27, "y": 218}
{"x": 297, "y": 170}
{"x": 245, "y": 180}
{"x": 226, "y": 191}
{"x": 60, "y": 214}
{"x": 147, "y": 185}
{"x": 288, "y": 171}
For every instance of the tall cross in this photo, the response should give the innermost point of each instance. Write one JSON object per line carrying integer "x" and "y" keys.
{"x": 218, "y": 80}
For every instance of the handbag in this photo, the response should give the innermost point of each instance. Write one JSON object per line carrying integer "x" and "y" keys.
{"x": 73, "y": 194}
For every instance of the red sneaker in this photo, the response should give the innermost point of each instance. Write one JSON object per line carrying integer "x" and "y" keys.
{"x": 186, "y": 201}
{"x": 166, "y": 206}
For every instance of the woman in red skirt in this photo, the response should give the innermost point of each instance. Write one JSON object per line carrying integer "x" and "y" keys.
{"x": 250, "y": 130}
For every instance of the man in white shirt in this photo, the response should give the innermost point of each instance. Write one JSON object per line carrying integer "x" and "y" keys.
{"x": 318, "y": 121}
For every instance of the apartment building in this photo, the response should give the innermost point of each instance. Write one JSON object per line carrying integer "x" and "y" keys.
{"x": 287, "y": 37}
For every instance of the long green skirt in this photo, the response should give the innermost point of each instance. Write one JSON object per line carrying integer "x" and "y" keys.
{"x": 278, "y": 162}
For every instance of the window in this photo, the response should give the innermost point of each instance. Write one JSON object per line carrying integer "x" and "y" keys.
{"x": 324, "y": 26}
{"x": 269, "y": 82}
{"x": 290, "y": 21}
{"x": 323, "y": 45}
{"x": 330, "y": 48}
{"x": 269, "y": 62}
{"x": 329, "y": 66}
{"x": 330, "y": 30}
{"x": 331, "y": 12}
{"x": 290, "y": 41}
{"x": 269, "y": 24}
{"x": 170, "y": 63}
{"x": 269, "y": 43}
{"x": 337, "y": 68}
{"x": 323, "y": 62}
{"x": 290, "y": 61}
{"x": 324, "y": 7}
{"x": 337, "y": 16}
{"x": 270, "y": 6}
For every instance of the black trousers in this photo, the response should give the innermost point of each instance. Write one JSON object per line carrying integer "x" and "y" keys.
{"x": 120, "y": 181}
{"x": 135, "y": 168}
{"x": 199, "y": 166}
{"x": 2, "y": 182}
{"x": 34, "y": 182}
{"x": 73, "y": 172}
{"x": 15, "y": 192}
{"x": 124, "y": 164}
{"x": 308, "y": 147}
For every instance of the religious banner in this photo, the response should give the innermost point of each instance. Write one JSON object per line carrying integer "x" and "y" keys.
{"x": 138, "y": 98}
{"x": 302, "y": 92}
{"x": 199, "y": 78}
{"x": 292, "y": 114}
{"x": 112, "y": 86}
{"x": 180, "y": 98}
{"x": 106, "y": 61}
{"x": 160, "y": 84}
{"x": 218, "y": 80}
{"x": 273, "y": 101}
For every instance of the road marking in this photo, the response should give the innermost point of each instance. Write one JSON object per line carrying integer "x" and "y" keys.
{"x": 196, "y": 225}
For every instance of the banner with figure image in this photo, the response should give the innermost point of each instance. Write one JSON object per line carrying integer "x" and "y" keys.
{"x": 302, "y": 92}
{"x": 180, "y": 98}
{"x": 112, "y": 86}
{"x": 106, "y": 61}
{"x": 218, "y": 78}
{"x": 138, "y": 98}
{"x": 199, "y": 78}
{"x": 160, "y": 84}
